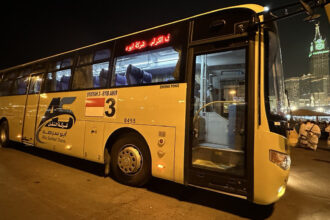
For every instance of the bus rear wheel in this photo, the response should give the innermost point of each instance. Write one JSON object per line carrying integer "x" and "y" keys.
{"x": 4, "y": 134}
{"x": 130, "y": 160}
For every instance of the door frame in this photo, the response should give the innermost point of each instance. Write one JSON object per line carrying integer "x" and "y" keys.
{"x": 228, "y": 181}
{"x": 37, "y": 107}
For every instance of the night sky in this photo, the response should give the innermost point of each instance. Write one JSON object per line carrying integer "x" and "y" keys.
{"x": 31, "y": 31}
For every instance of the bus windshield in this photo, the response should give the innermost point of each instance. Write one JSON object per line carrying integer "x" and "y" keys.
{"x": 276, "y": 100}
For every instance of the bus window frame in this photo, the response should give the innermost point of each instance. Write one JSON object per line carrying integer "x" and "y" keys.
{"x": 271, "y": 118}
{"x": 37, "y": 71}
{"x": 29, "y": 83}
{"x": 92, "y": 51}
{"x": 19, "y": 76}
{"x": 49, "y": 69}
{"x": 27, "y": 86}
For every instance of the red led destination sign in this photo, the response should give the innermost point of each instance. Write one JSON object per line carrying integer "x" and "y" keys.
{"x": 155, "y": 41}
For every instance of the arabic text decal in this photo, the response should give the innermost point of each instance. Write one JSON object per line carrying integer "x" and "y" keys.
{"x": 51, "y": 118}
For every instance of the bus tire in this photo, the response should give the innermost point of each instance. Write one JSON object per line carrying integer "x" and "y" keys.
{"x": 4, "y": 134}
{"x": 131, "y": 160}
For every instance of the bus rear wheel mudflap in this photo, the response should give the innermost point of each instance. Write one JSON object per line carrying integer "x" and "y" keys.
{"x": 4, "y": 134}
{"x": 130, "y": 160}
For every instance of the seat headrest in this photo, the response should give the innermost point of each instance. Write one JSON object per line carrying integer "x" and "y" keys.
{"x": 104, "y": 73}
{"x": 135, "y": 75}
{"x": 65, "y": 79}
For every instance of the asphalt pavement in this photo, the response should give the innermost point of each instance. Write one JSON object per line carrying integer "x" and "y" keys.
{"x": 38, "y": 184}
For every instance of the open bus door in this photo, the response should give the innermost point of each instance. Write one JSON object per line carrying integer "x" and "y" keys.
{"x": 224, "y": 68}
{"x": 218, "y": 156}
{"x": 219, "y": 152}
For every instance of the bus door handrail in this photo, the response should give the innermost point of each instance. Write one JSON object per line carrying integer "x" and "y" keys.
{"x": 211, "y": 103}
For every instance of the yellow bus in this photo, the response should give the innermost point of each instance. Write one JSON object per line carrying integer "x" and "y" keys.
{"x": 199, "y": 101}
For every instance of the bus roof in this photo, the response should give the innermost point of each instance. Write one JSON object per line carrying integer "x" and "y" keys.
{"x": 254, "y": 7}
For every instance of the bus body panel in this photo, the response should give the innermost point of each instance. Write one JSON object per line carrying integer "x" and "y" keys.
{"x": 268, "y": 177}
{"x": 94, "y": 141}
{"x": 60, "y": 126}
{"x": 30, "y": 118}
{"x": 79, "y": 123}
{"x": 12, "y": 108}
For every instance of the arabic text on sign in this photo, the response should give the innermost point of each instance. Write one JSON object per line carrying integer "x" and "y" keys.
{"x": 160, "y": 40}
{"x": 138, "y": 45}
{"x": 155, "y": 41}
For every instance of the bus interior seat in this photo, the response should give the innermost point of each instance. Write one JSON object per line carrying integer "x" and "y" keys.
{"x": 136, "y": 76}
{"x": 21, "y": 87}
{"x": 147, "y": 77}
{"x": 103, "y": 78}
{"x": 120, "y": 80}
{"x": 58, "y": 85}
{"x": 64, "y": 83}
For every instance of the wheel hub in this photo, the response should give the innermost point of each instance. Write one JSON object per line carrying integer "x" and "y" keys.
{"x": 129, "y": 160}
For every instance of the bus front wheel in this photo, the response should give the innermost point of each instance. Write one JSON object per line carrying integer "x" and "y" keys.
{"x": 4, "y": 134}
{"x": 131, "y": 160}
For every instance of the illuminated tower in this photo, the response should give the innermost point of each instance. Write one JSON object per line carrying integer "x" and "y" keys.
{"x": 319, "y": 68}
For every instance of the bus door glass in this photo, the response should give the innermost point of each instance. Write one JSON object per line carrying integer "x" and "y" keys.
{"x": 31, "y": 109}
{"x": 219, "y": 115}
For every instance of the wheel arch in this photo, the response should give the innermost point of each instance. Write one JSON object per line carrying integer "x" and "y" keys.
{"x": 120, "y": 132}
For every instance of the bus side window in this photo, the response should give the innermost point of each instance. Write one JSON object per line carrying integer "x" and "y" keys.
{"x": 22, "y": 84}
{"x": 154, "y": 66}
{"x": 59, "y": 76}
{"x": 92, "y": 70}
{"x": 11, "y": 82}
{"x": 35, "y": 85}
{"x": 8, "y": 87}
{"x": 50, "y": 84}
{"x": 22, "y": 81}
{"x": 83, "y": 77}
{"x": 100, "y": 74}
{"x": 63, "y": 79}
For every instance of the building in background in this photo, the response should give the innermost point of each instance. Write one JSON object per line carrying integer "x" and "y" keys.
{"x": 312, "y": 90}
{"x": 292, "y": 86}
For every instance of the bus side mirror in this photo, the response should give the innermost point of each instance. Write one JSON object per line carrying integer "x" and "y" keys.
{"x": 309, "y": 11}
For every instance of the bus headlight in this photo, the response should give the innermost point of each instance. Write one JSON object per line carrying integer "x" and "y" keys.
{"x": 280, "y": 159}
